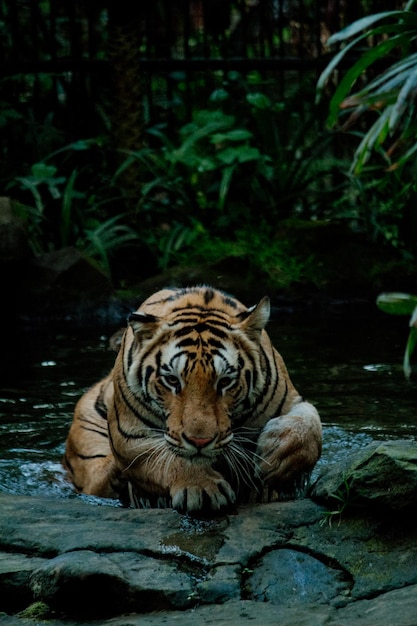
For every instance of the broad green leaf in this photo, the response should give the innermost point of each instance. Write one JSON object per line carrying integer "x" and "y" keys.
{"x": 236, "y": 134}
{"x": 205, "y": 117}
{"x": 84, "y": 144}
{"x": 396, "y": 303}
{"x": 42, "y": 171}
{"x": 259, "y": 100}
{"x": 247, "y": 153}
{"x": 206, "y": 164}
{"x": 228, "y": 155}
{"x": 219, "y": 95}
{"x": 238, "y": 153}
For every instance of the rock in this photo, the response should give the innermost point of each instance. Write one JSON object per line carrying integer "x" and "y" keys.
{"x": 65, "y": 280}
{"x": 62, "y": 285}
{"x": 262, "y": 564}
{"x": 293, "y": 577}
{"x": 110, "y": 583}
{"x": 380, "y": 476}
{"x": 14, "y": 245}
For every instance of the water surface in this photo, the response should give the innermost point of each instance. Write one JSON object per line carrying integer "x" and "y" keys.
{"x": 350, "y": 369}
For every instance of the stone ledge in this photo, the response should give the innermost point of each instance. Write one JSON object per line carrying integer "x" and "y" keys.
{"x": 212, "y": 571}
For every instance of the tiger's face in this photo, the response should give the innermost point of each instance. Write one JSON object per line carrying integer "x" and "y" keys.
{"x": 196, "y": 392}
{"x": 196, "y": 374}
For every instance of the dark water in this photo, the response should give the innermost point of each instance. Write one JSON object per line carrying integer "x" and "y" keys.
{"x": 350, "y": 369}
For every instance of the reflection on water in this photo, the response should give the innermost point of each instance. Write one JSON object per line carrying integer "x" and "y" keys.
{"x": 350, "y": 371}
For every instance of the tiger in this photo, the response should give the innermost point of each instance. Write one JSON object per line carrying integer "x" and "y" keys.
{"x": 197, "y": 413}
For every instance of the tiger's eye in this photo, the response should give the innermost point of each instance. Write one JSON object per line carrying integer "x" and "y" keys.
{"x": 224, "y": 382}
{"x": 172, "y": 381}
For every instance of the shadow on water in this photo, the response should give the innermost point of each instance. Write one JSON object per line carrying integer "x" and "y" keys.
{"x": 350, "y": 369}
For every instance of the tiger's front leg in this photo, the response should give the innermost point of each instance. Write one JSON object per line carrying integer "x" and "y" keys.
{"x": 288, "y": 447}
{"x": 193, "y": 486}
{"x": 206, "y": 490}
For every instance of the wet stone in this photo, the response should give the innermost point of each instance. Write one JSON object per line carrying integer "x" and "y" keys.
{"x": 90, "y": 583}
{"x": 292, "y": 577}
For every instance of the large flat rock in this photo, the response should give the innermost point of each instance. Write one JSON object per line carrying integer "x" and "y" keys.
{"x": 264, "y": 564}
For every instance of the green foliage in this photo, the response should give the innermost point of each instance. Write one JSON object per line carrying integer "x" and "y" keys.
{"x": 278, "y": 261}
{"x": 390, "y": 96}
{"x": 343, "y": 499}
{"x": 57, "y": 215}
{"x": 43, "y": 184}
{"x": 99, "y": 242}
{"x": 402, "y": 304}
{"x": 383, "y": 191}
{"x": 232, "y": 169}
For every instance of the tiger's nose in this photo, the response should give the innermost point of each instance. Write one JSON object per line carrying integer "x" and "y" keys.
{"x": 200, "y": 442}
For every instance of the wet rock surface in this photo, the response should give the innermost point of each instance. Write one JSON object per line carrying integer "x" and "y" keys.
{"x": 296, "y": 562}
{"x": 383, "y": 474}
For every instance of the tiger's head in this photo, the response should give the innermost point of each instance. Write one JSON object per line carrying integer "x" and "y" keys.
{"x": 191, "y": 370}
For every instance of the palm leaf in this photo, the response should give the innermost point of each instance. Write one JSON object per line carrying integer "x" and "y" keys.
{"x": 328, "y": 71}
{"x": 355, "y": 72}
{"x": 391, "y": 79}
{"x": 406, "y": 95}
{"x": 376, "y": 134}
{"x": 409, "y": 349}
{"x": 365, "y": 23}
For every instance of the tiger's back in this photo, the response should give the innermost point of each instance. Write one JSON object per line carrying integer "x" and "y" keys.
{"x": 198, "y": 407}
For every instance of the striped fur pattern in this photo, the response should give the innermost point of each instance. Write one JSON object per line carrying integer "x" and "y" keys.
{"x": 198, "y": 411}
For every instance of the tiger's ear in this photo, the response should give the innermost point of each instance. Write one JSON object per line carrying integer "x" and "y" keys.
{"x": 142, "y": 324}
{"x": 255, "y": 319}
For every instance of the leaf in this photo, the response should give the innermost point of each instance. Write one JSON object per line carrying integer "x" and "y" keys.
{"x": 405, "y": 97}
{"x": 219, "y": 95}
{"x": 259, "y": 100}
{"x": 404, "y": 158}
{"x": 84, "y": 144}
{"x": 248, "y": 153}
{"x": 225, "y": 185}
{"x": 354, "y": 73}
{"x": 376, "y": 134}
{"x": 409, "y": 349}
{"x": 65, "y": 226}
{"x": 228, "y": 155}
{"x": 184, "y": 152}
{"x": 413, "y": 320}
{"x": 362, "y": 24}
{"x": 396, "y": 303}
{"x": 236, "y": 134}
{"x": 42, "y": 171}
{"x": 391, "y": 78}
{"x": 325, "y": 75}
{"x": 242, "y": 154}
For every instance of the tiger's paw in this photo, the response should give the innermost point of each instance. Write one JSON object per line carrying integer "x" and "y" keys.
{"x": 288, "y": 449}
{"x": 214, "y": 496}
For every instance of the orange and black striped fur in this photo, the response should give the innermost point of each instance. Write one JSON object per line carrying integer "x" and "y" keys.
{"x": 198, "y": 409}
